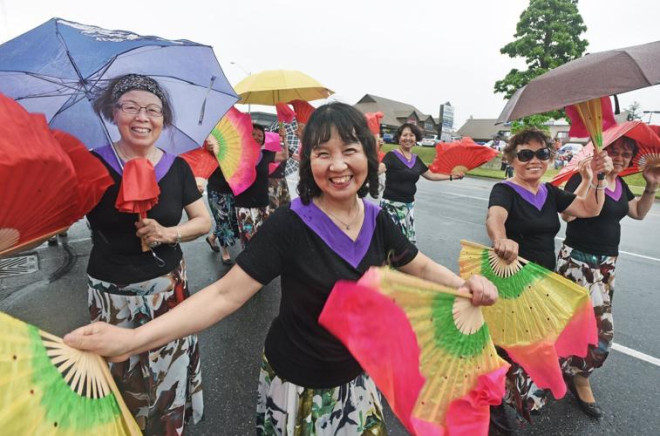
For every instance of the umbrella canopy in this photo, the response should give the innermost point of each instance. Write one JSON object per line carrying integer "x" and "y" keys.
{"x": 60, "y": 67}
{"x": 592, "y": 76}
{"x": 275, "y": 86}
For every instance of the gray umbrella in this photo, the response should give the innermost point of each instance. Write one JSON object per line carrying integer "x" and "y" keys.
{"x": 591, "y": 76}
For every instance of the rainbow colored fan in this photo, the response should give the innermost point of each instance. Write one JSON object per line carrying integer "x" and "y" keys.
{"x": 238, "y": 152}
{"x": 425, "y": 346}
{"x": 460, "y": 157}
{"x": 538, "y": 317}
{"x": 49, "y": 388}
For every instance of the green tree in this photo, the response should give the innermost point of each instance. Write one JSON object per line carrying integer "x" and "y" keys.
{"x": 547, "y": 36}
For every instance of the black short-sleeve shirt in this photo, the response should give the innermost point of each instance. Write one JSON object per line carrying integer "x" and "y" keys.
{"x": 218, "y": 183}
{"x": 401, "y": 178}
{"x": 257, "y": 194}
{"x": 533, "y": 227}
{"x": 117, "y": 254}
{"x": 310, "y": 259}
{"x": 601, "y": 234}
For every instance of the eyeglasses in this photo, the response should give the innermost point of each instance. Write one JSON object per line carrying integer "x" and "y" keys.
{"x": 152, "y": 110}
{"x": 615, "y": 153}
{"x": 527, "y": 155}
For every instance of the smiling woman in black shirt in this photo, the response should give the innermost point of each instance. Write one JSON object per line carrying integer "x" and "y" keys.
{"x": 328, "y": 234}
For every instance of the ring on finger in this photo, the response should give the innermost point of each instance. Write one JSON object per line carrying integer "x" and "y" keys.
{"x": 154, "y": 244}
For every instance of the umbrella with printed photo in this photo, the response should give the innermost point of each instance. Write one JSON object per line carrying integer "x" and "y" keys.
{"x": 59, "y": 68}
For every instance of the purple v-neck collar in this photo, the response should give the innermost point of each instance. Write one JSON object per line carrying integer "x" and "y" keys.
{"x": 351, "y": 251}
{"x": 537, "y": 200}
{"x": 409, "y": 163}
{"x": 161, "y": 168}
{"x": 618, "y": 190}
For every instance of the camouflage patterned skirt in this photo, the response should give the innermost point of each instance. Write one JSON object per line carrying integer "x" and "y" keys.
{"x": 403, "y": 215}
{"x": 596, "y": 273}
{"x": 278, "y": 193}
{"x": 162, "y": 387}
{"x": 284, "y": 408}
{"x": 250, "y": 220}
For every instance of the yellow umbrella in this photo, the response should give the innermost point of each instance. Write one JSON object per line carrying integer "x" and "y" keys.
{"x": 275, "y": 86}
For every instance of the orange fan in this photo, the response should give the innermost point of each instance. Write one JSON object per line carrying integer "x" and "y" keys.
{"x": 460, "y": 157}
{"x": 201, "y": 161}
{"x": 37, "y": 181}
{"x": 303, "y": 110}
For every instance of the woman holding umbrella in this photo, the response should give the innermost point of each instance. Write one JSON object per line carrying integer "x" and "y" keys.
{"x": 128, "y": 286}
{"x": 522, "y": 220}
{"x": 328, "y": 234}
{"x": 402, "y": 169}
{"x": 589, "y": 253}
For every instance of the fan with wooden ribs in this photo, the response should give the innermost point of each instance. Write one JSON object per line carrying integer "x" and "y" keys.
{"x": 49, "y": 388}
{"x": 460, "y": 157}
{"x": 426, "y": 347}
{"x": 48, "y": 180}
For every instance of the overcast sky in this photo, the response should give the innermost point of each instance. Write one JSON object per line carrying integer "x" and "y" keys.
{"x": 420, "y": 52}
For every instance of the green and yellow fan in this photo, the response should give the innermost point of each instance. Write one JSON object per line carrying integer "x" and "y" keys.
{"x": 49, "y": 388}
{"x": 424, "y": 345}
{"x": 538, "y": 317}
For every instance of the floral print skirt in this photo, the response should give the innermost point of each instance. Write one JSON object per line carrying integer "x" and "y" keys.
{"x": 250, "y": 219}
{"x": 162, "y": 387}
{"x": 403, "y": 215}
{"x": 278, "y": 193}
{"x": 284, "y": 408}
{"x": 226, "y": 226}
{"x": 596, "y": 273}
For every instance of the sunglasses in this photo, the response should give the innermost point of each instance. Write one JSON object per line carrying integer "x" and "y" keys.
{"x": 527, "y": 155}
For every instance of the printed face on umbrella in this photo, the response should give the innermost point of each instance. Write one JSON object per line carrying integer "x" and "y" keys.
{"x": 531, "y": 161}
{"x": 339, "y": 169}
{"x": 137, "y": 118}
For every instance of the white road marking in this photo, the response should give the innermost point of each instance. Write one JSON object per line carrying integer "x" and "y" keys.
{"x": 654, "y": 259}
{"x": 636, "y": 354}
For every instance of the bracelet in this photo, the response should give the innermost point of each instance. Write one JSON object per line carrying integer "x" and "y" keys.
{"x": 647, "y": 191}
{"x": 451, "y": 178}
{"x": 597, "y": 188}
{"x": 178, "y": 237}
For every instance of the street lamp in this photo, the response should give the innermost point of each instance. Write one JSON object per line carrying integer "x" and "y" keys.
{"x": 246, "y": 73}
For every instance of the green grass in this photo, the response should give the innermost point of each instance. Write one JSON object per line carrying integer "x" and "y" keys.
{"x": 427, "y": 154}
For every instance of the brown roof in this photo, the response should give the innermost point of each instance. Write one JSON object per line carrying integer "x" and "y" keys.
{"x": 394, "y": 112}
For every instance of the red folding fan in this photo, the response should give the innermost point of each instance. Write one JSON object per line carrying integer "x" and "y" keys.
{"x": 201, "y": 161}
{"x": 373, "y": 121}
{"x": 460, "y": 157}
{"x": 284, "y": 113}
{"x": 37, "y": 180}
{"x": 648, "y": 153}
{"x": 303, "y": 110}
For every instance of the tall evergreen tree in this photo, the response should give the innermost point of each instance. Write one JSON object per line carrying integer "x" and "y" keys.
{"x": 547, "y": 36}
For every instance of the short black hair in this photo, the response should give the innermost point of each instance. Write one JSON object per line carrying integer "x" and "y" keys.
{"x": 263, "y": 130}
{"x": 526, "y": 136}
{"x": 352, "y": 127}
{"x": 413, "y": 128}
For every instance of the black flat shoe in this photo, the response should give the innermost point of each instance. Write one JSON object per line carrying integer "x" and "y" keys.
{"x": 215, "y": 248}
{"x": 591, "y": 409}
{"x": 228, "y": 261}
{"x": 499, "y": 422}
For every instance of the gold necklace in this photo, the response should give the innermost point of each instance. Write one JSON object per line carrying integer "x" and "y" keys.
{"x": 348, "y": 225}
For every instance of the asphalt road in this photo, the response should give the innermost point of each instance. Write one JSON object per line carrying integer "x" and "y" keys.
{"x": 627, "y": 387}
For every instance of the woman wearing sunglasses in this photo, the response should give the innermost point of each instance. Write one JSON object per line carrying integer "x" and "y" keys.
{"x": 523, "y": 220}
{"x": 588, "y": 257}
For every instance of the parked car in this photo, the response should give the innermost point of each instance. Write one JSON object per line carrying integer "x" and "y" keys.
{"x": 429, "y": 141}
{"x": 388, "y": 138}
